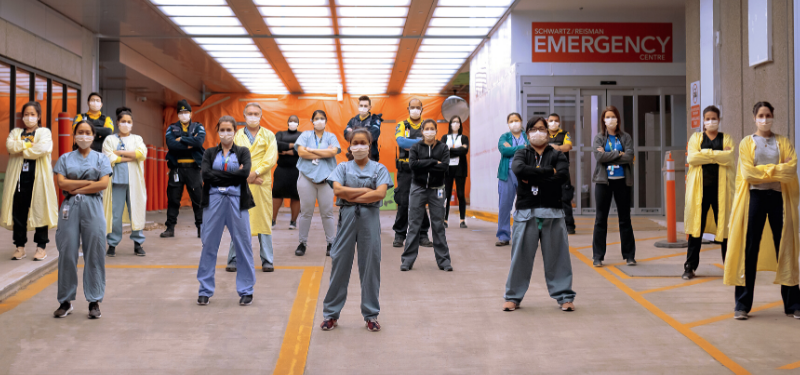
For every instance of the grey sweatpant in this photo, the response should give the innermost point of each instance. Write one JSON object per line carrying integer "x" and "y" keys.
{"x": 362, "y": 226}
{"x": 418, "y": 199}
{"x": 311, "y": 193}
{"x": 525, "y": 237}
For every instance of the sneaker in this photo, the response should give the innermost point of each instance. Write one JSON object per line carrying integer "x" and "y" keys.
{"x": 687, "y": 275}
{"x": 202, "y": 300}
{"x": 94, "y": 310}
{"x": 501, "y": 243}
{"x": 445, "y": 224}
{"x": 63, "y": 310}
{"x": 138, "y": 250}
{"x": 230, "y": 268}
{"x": 567, "y": 306}
{"x": 510, "y": 306}
{"x": 740, "y": 315}
{"x": 631, "y": 262}
{"x": 425, "y": 242}
{"x": 597, "y": 263}
{"x": 112, "y": 251}
{"x": 292, "y": 225}
{"x": 397, "y": 243}
{"x": 796, "y": 314}
{"x": 301, "y": 250}
{"x": 267, "y": 267}
{"x": 40, "y": 254}
{"x": 19, "y": 253}
{"x": 328, "y": 251}
{"x": 570, "y": 230}
{"x": 373, "y": 325}
{"x": 447, "y": 268}
{"x": 169, "y": 233}
{"x": 328, "y": 324}
{"x": 246, "y": 300}
{"x": 463, "y": 225}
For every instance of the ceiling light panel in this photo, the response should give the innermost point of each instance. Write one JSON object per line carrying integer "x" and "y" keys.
{"x": 367, "y": 55}
{"x": 439, "y": 61}
{"x": 367, "y": 66}
{"x": 457, "y": 31}
{"x": 197, "y": 11}
{"x": 291, "y": 2}
{"x": 444, "y": 48}
{"x": 214, "y": 30}
{"x": 206, "y": 21}
{"x": 475, "y": 3}
{"x": 298, "y": 21}
{"x": 231, "y": 47}
{"x": 366, "y": 31}
{"x": 219, "y": 41}
{"x": 479, "y": 12}
{"x": 236, "y": 54}
{"x": 452, "y": 41}
{"x": 380, "y": 22}
{"x": 368, "y": 48}
{"x": 189, "y": 2}
{"x": 307, "y": 47}
{"x": 305, "y": 60}
{"x": 294, "y": 11}
{"x": 369, "y": 61}
{"x": 388, "y": 3}
{"x": 463, "y": 22}
{"x": 372, "y": 11}
{"x": 369, "y": 41}
{"x": 304, "y": 41}
{"x": 283, "y": 30}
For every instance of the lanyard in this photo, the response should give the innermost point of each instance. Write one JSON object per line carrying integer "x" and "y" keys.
{"x": 453, "y": 139}
{"x": 225, "y": 165}
{"x": 318, "y": 140}
{"x": 614, "y": 146}
{"x": 538, "y": 159}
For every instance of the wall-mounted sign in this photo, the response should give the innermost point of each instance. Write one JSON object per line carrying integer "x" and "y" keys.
{"x": 601, "y": 42}
{"x": 695, "y": 101}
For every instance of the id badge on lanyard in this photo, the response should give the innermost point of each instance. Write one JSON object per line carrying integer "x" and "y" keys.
{"x": 535, "y": 190}
{"x": 25, "y": 166}
{"x": 65, "y": 212}
{"x": 316, "y": 161}
{"x": 175, "y": 176}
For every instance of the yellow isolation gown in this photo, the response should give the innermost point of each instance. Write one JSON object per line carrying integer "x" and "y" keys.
{"x": 694, "y": 187}
{"x": 264, "y": 155}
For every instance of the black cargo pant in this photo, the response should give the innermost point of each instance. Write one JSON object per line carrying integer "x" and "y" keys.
{"x": 401, "y": 194}
{"x": 19, "y": 213}
{"x": 710, "y": 200}
{"x": 188, "y": 175}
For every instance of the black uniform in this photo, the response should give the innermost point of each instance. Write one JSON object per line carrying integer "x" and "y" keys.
{"x": 184, "y": 159}
{"x": 403, "y": 188}
{"x": 284, "y": 181}
{"x": 568, "y": 191}
{"x": 371, "y": 123}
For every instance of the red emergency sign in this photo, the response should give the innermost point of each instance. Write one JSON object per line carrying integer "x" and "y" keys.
{"x": 601, "y": 42}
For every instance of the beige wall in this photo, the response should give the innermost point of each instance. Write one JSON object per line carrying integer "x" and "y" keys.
{"x": 21, "y": 45}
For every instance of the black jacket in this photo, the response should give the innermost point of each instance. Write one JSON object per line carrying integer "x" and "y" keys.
{"x": 284, "y": 138}
{"x": 541, "y": 175}
{"x": 238, "y": 177}
{"x": 371, "y": 123}
{"x": 461, "y": 169}
{"x": 177, "y": 150}
{"x": 424, "y": 162}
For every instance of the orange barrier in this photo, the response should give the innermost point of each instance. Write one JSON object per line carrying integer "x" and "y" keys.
{"x": 149, "y": 173}
{"x": 64, "y": 143}
{"x": 669, "y": 178}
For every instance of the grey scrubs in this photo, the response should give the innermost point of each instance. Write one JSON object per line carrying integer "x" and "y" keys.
{"x": 530, "y": 226}
{"x": 358, "y": 224}
{"x": 82, "y": 226}
{"x": 434, "y": 198}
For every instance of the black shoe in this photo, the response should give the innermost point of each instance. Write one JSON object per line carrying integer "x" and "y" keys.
{"x": 274, "y": 222}
{"x": 169, "y": 233}
{"x": 447, "y": 268}
{"x": 405, "y": 268}
{"x": 425, "y": 242}
{"x": 63, "y": 310}
{"x": 292, "y": 225}
{"x": 267, "y": 267}
{"x": 397, "y": 243}
{"x": 328, "y": 251}
{"x": 246, "y": 300}
{"x": 570, "y": 230}
{"x": 501, "y": 243}
{"x": 463, "y": 225}
{"x": 230, "y": 268}
{"x": 301, "y": 250}
{"x": 112, "y": 251}
{"x": 631, "y": 262}
{"x": 198, "y": 232}
{"x": 137, "y": 249}
{"x": 202, "y": 300}
{"x": 688, "y": 275}
{"x": 94, "y": 310}
{"x": 597, "y": 263}
{"x": 445, "y": 224}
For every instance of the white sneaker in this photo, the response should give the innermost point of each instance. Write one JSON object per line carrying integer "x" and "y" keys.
{"x": 19, "y": 253}
{"x": 41, "y": 254}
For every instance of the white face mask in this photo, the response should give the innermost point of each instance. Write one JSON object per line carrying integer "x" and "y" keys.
{"x": 360, "y": 152}
{"x": 455, "y": 126}
{"x": 712, "y": 125}
{"x": 415, "y": 113}
{"x": 30, "y": 121}
{"x": 429, "y": 134}
{"x": 553, "y": 125}
{"x": 319, "y": 125}
{"x": 293, "y": 126}
{"x": 226, "y": 137}
{"x": 184, "y": 117}
{"x": 611, "y": 122}
{"x": 95, "y": 105}
{"x": 363, "y": 110}
{"x": 84, "y": 141}
{"x": 252, "y": 121}
{"x": 538, "y": 137}
{"x": 764, "y": 124}
{"x": 125, "y": 127}
{"x": 515, "y": 127}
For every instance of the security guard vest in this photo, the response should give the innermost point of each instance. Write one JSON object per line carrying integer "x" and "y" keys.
{"x": 100, "y": 130}
{"x": 410, "y": 133}
{"x": 558, "y": 140}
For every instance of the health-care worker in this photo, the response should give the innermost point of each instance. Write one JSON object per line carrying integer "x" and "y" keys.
{"x": 613, "y": 178}
{"x": 226, "y": 201}
{"x": 429, "y": 161}
{"x": 560, "y": 141}
{"x": 284, "y": 185}
{"x": 263, "y": 155}
{"x": 515, "y": 139}
{"x": 766, "y": 188}
{"x": 185, "y": 154}
{"x": 29, "y": 194}
{"x": 360, "y": 186}
{"x": 458, "y": 169}
{"x": 127, "y": 153}
{"x": 541, "y": 171}
{"x": 709, "y": 184}
{"x": 317, "y": 149}
{"x": 103, "y": 125}
{"x": 82, "y": 175}
{"x": 368, "y": 120}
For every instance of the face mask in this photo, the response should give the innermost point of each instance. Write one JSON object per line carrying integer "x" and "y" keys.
{"x": 712, "y": 125}
{"x": 537, "y": 137}
{"x": 363, "y": 110}
{"x": 553, "y": 125}
{"x": 611, "y": 122}
{"x": 429, "y": 134}
{"x": 515, "y": 126}
{"x": 415, "y": 113}
{"x": 125, "y": 127}
{"x": 293, "y": 126}
{"x": 95, "y": 106}
{"x": 30, "y": 121}
{"x": 226, "y": 137}
{"x": 455, "y": 126}
{"x": 184, "y": 117}
{"x": 252, "y": 121}
{"x": 360, "y": 152}
{"x": 764, "y": 124}
{"x": 319, "y": 125}
{"x": 84, "y": 141}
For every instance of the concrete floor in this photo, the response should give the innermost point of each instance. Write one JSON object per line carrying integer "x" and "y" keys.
{"x": 433, "y": 322}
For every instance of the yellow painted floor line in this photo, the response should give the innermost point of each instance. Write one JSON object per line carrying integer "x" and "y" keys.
{"x": 28, "y": 292}
{"x": 663, "y": 257}
{"x": 790, "y": 366}
{"x": 616, "y": 271}
{"x": 294, "y": 349}
{"x": 681, "y": 328}
{"x": 696, "y": 281}
{"x": 180, "y": 266}
{"x": 730, "y": 316}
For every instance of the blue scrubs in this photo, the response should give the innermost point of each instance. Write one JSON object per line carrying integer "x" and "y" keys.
{"x": 224, "y": 211}
{"x": 82, "y": 226}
